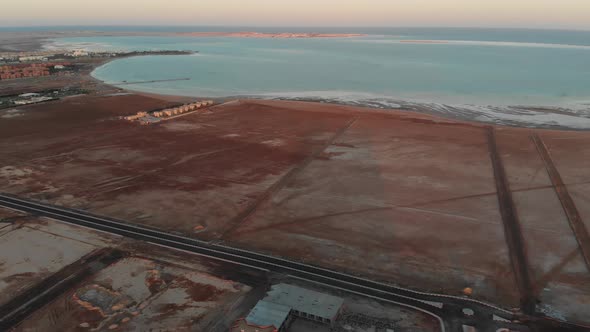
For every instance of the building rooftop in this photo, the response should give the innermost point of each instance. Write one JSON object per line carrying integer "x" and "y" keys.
{"x": 268, "y": 314}
{"x": 305, "y": 300}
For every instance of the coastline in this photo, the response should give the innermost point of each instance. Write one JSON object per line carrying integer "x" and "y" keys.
{"x": 541, "y": 111}
{"x": 513, "y": 116}
{"x": 330, "y": 106}
{"x": 438, "y": 112}
{"x": 537, "y": 117}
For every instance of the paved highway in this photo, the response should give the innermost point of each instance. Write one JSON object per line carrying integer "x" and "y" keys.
{"x": 445, "y": 308}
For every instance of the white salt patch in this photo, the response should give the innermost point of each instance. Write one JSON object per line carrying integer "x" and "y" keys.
{"x": 274, "y": 142}
{"x": 12, "y": 113}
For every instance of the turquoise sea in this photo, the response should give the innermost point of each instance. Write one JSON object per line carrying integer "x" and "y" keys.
{"x": 537, "y": 78}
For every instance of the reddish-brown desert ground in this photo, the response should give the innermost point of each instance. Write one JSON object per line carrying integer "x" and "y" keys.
{"x": 108, "y": 282}
{"x": 394, "y": 196}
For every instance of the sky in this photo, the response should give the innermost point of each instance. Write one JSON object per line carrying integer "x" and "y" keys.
{"x": 563, "y": 14}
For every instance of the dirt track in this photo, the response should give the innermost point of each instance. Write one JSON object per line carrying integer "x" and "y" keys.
{"x": 395, "y": 196}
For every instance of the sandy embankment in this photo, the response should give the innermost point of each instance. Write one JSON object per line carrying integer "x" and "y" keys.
{"x": 33, "y": 41}
{"x": 25, "y": 41}
{"x": 251, "y": 34}
{"x": 424, "y": 41}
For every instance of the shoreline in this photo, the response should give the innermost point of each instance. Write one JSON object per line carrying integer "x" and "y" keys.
{"x": 513, "y": 114}
{"x": 467, "y": 113}
{"x": 507, "y": 115}
{"x": 552, "y": 116}
{"x": 440, "y": 111}
{"x": 340, "y": 107}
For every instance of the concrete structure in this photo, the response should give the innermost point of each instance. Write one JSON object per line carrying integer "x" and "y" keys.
{"x": 283, "y": 302}
{"x": 267, "y": 314}
{"x": 306, "y": 303}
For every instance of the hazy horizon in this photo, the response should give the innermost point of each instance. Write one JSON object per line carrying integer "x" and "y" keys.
{"x": 283, "y": 27}
{"x": 526, "y": 14}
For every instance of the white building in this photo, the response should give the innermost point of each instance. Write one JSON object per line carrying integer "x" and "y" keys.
{"x": 269, "y": 314}
{"x": 32, "y": 58}
{"x": 284, "y": 302}
{"x": 306, "y": 303}
{"x": 78, "y": 53}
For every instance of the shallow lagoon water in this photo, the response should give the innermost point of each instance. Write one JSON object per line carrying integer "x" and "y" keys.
{"x": 479, "y": 75}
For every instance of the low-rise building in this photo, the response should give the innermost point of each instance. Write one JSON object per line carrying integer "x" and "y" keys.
{"x": 265, "y": 316}
{"x": 32, "y": 58}
{"x": 78, "y": 53}
{"x": 312, "y": 305}
{"x": 284, "y": 302}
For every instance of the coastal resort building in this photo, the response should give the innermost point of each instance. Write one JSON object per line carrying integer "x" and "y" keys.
{"x": 283, "y": 303}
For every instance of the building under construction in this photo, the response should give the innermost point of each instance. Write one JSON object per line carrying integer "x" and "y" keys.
{"x": 147, "y": 118}
{"x": 182, "y": 109}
